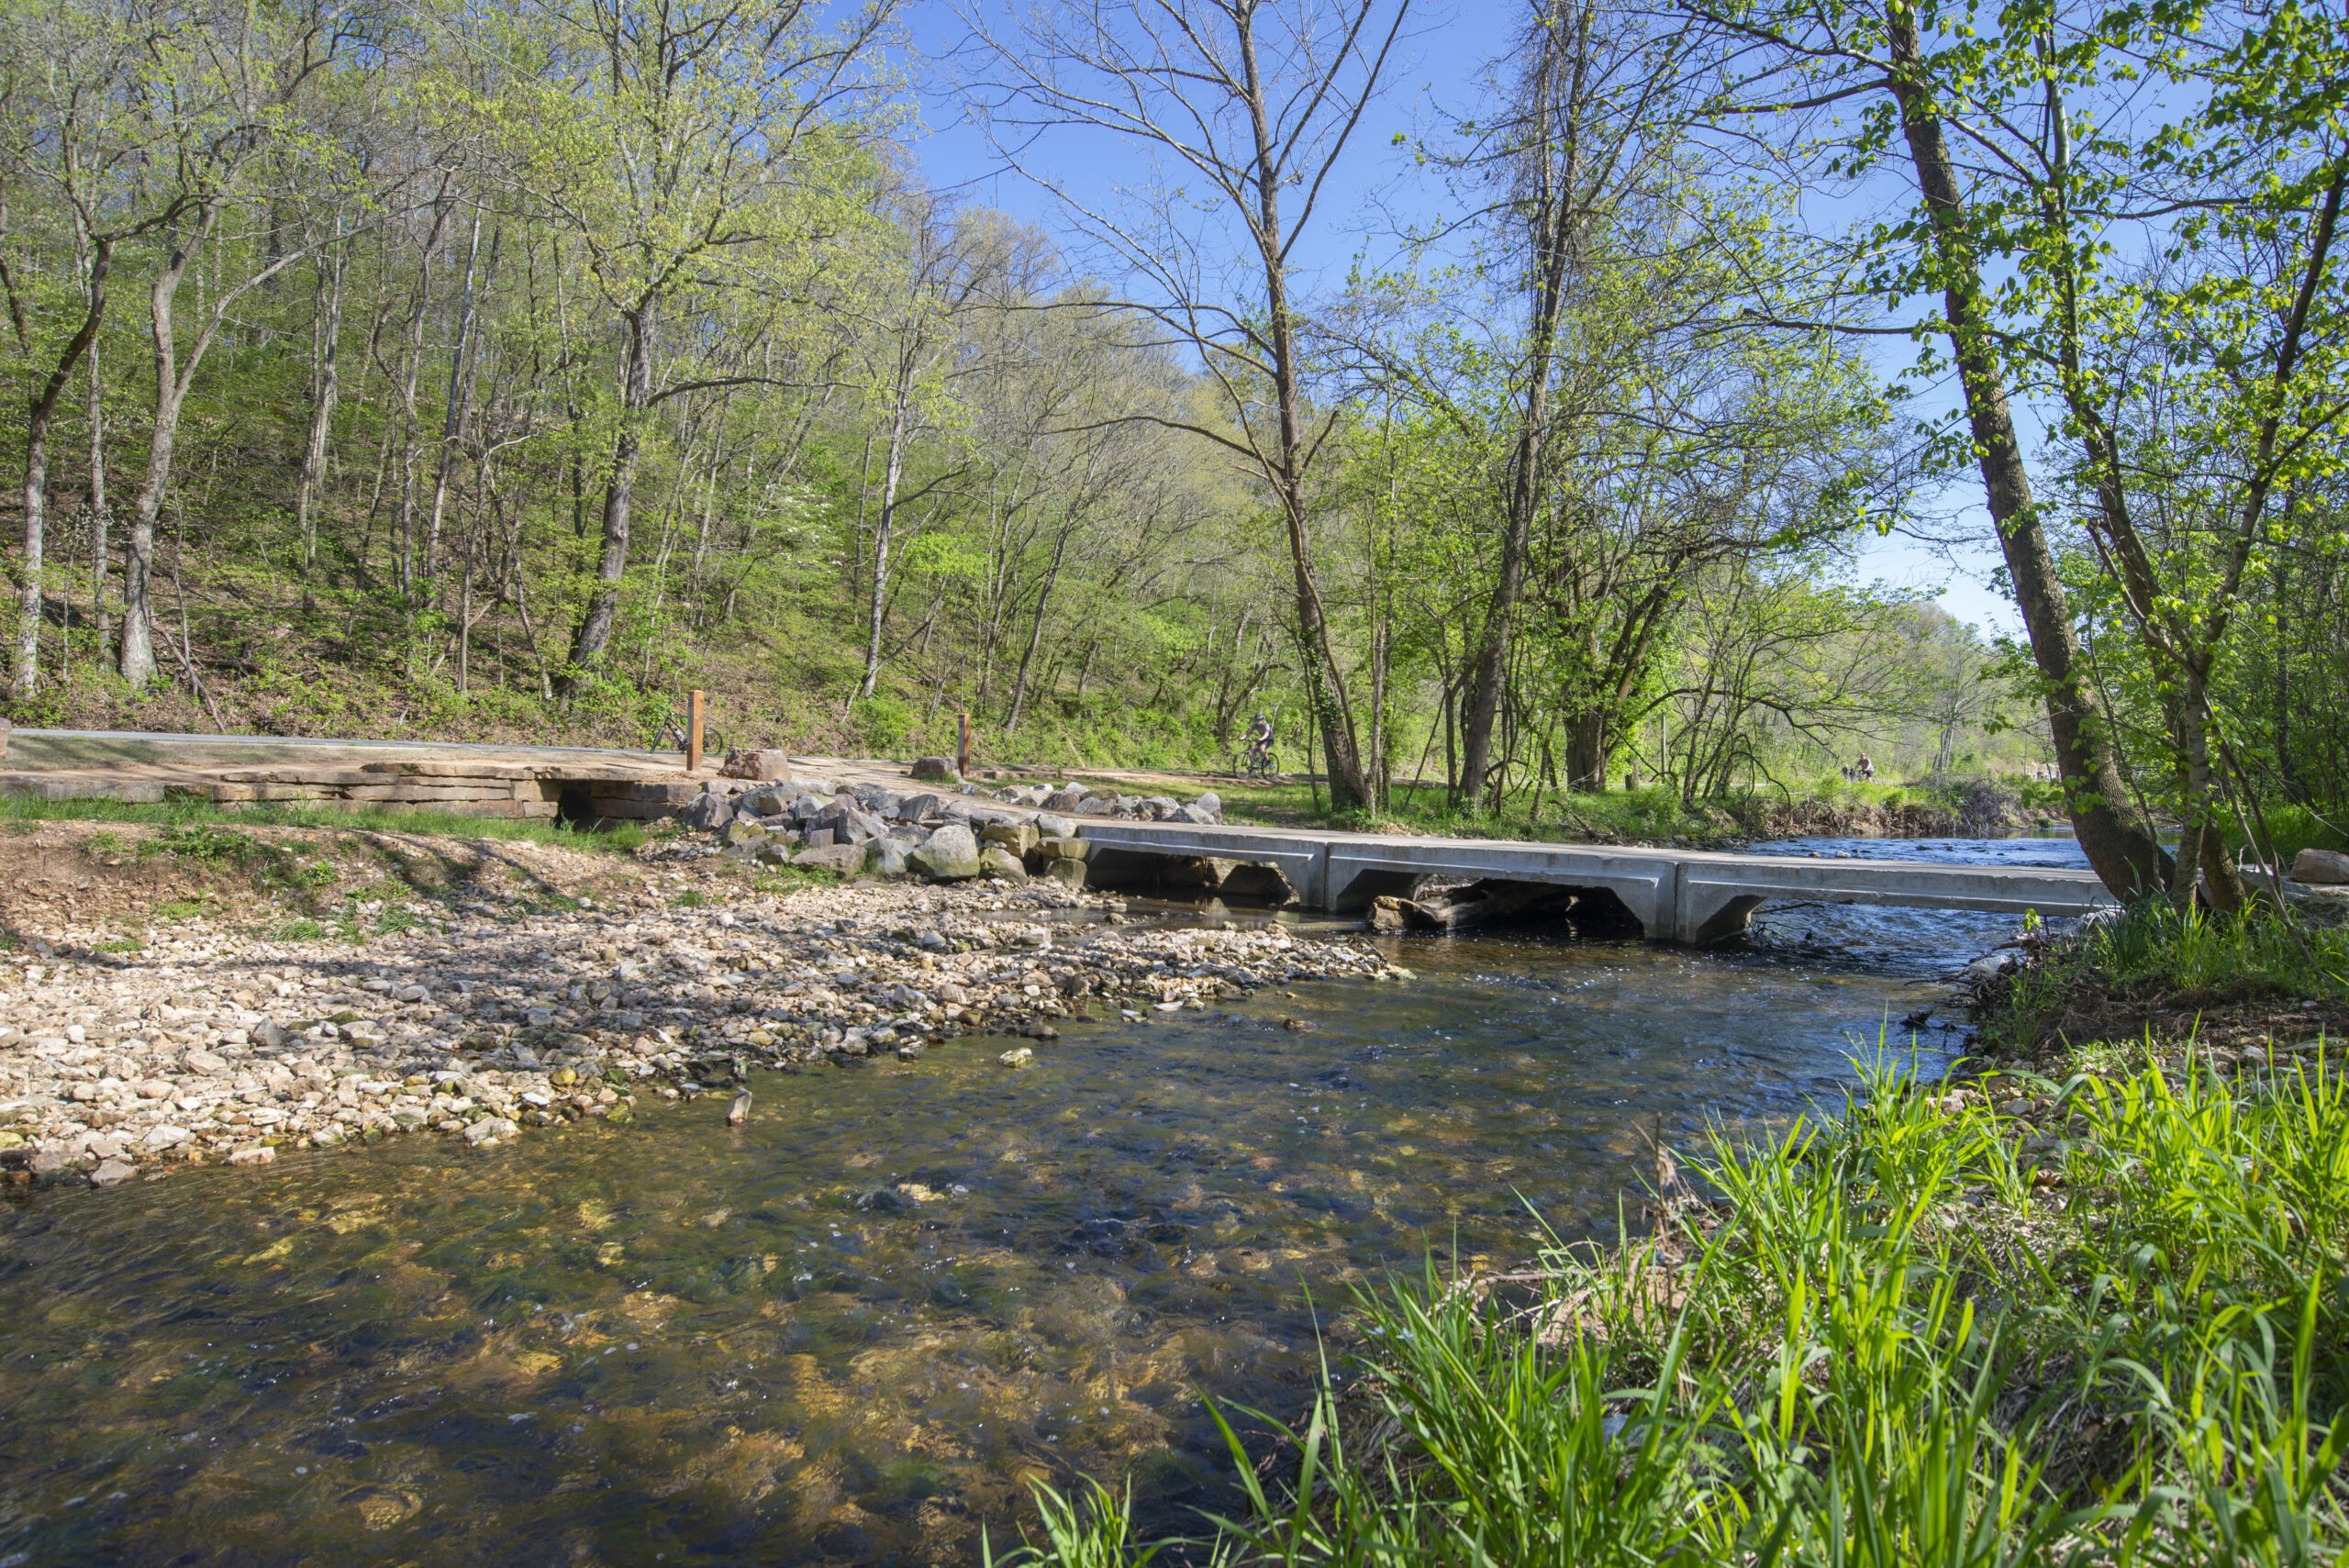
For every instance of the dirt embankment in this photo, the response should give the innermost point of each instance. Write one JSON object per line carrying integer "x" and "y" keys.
{"x": 108, "y": 884}
{"x": 1972, "y": 810}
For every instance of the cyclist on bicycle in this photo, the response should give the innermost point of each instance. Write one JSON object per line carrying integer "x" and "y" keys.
{"x": 1260, "y": 743}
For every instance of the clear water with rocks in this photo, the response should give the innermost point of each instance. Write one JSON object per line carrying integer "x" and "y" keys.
{"x": 854, "y": 1330}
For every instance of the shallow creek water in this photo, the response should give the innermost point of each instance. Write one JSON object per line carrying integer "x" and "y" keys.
{"x": 853, "y": 1330}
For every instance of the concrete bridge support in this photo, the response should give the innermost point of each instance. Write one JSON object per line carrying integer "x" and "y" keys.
{"x": 1674, "y": 894}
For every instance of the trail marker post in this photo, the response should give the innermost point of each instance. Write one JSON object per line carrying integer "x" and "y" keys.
{"x": 696, "y": 709}
{"x": 962, "y": 743}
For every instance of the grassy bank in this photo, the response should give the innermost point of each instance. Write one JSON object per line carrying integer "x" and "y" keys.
{"x": 2103, "y": 1322}
{"x": 2153, "y": 977}
{"x": 2089, "y": 1306}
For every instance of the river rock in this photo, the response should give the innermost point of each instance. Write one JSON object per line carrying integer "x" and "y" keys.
{"x": 1068, "y": 873}
{"x": 937, "y": 769}
{"x": 709, "y": 812}
{"x": 846, "y": 859}
{"x": 1019, "y": 837}
{"x": 1017, "y": 1056}
{"x": 2321, "y": 868}
{"x": 1212, "y": 804}
{"x": 764, "y": 763}
{"x": 112, "y": 1173}
{"x": 889, "y": 857}
{"x": 952, "y": 854}
{"x": 996, "y": 862}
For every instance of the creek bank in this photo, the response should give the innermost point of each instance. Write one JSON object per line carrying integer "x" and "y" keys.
{"x": 212, "y": 1045}
{"x": 2257, "y": 995}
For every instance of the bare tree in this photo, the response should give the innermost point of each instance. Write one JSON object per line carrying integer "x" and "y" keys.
{"x": 1258, "y": 100}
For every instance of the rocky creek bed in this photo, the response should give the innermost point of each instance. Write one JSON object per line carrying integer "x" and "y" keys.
{"x": 210, "y": 1044}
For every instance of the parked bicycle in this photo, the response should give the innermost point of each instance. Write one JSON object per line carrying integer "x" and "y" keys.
{"x": 673, "y": 735}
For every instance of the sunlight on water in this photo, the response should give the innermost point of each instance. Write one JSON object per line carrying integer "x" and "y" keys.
{"x": 853, "y": 1330}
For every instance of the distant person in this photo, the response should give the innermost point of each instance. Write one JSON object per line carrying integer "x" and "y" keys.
{"x": 1865, "y": 767}
{"x": 1260, "y": 744}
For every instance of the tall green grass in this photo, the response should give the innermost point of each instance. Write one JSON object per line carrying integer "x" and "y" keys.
{"x": 2181, "y": 959}
{"x": 2192, "y": 950}
{"x": 1889, "y": 1338}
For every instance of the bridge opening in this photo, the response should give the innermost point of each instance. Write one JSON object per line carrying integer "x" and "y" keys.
{"x": 1599, "y": 914}
{"x": 575, "y": 806}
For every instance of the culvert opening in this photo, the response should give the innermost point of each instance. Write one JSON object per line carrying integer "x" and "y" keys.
{"x": 574, "y": 808}
{"x": 1597, "y": 913}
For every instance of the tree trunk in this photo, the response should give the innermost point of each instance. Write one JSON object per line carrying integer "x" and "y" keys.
{"x": 1325, "y": 679}
{"x": 1553, "y": 234}
{"x": 40, "y": 414}
{"x": 101, "y": 518}
{"x": 326, "y": 389}
{"x": 137, "y": 660}
{"x": 1586, "y": 749}
{"x": 462, "y": 361}
{"x": 892, "y": 472}
{"x": 2124, "y": 854}
{"x": 594, "y": 633}
{"x": 1036, "y": 631}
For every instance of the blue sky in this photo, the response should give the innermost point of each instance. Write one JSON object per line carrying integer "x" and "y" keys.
{"x": 1447, "y": 54}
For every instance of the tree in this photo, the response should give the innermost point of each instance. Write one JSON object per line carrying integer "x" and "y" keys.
{"x": 1255, "y": 99}
{"x": 688, "y": 151}
{"x": 1799, "y": 61}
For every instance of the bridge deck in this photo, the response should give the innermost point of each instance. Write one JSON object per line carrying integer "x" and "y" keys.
{"x": 1676, "y": 894}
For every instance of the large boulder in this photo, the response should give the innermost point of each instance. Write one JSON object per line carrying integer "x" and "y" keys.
{"x": 940, "y": 769}
{"x": 950, "y": 854}
{"x": 1095, "y": 806}
{"x": 849, "y": 823}
{"x": 1051, "y": 824}
{"x": 1210, "y": 803}
{"x": 765, "y": 764}
{"x": 2321, "y": 868}
{"x": 1063, "y": 798}
{"x": 996, "y": 862}
{"x": 1068, "y": 873}
{"x": 889, "y": 857}
{"x": 845, "y": 859}
{"x": 1016, "y": 837}
{"x": 1068, "y": 847}
{"x": 708, "y": 812}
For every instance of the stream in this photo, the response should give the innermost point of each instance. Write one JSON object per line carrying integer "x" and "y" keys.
{"x": 854, "y": 1330}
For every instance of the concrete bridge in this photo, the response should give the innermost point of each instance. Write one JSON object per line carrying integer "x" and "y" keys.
{"x": 1684, "y": 895}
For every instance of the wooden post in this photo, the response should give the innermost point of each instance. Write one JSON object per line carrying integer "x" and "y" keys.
{"x": 696, "y": 706}
{"x": 962, "y": 743}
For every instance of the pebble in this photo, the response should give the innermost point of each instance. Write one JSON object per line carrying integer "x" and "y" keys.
{"x": 219, "y": 1045}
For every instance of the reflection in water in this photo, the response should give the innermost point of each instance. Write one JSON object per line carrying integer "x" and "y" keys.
{"x": 855, "y": 1328}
